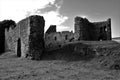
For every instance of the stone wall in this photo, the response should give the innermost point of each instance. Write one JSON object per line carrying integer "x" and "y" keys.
{"x": 6, "y": 27}
{"x": 103, "y": 30}
{"x": 70, "y": 52}
{"x": 23, "y": 35}
{"x": 27, "y": 38}
{"x": 51, "y": 29}
{"x": 56, "y": 39}
{"x": 36, "y": 37}
{"x": 92, "y": 31}
{"x": 84, "y": 30}
{"x": 31, "y": 34}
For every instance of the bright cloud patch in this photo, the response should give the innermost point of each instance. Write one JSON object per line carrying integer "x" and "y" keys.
{"x": 16, "y": 9}
{"x": 63, "y": 28}
{"x": 19, "y": 9}
{"x": 54, "y": 18}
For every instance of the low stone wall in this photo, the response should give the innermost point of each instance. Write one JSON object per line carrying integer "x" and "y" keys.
{"x": 70, "y": 52}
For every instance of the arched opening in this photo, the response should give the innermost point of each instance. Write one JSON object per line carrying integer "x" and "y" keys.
{"x": 19, "y": 47}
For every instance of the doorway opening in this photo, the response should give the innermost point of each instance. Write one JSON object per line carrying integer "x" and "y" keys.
{"x": 19, "y": 48}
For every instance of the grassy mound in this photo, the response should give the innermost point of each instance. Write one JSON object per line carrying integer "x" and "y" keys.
{"x": 104, "y": 53}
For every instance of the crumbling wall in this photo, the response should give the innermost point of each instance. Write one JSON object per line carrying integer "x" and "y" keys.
{"x": 79, "y": 28}
{"x": 27, "y": 38}
{"x": 84, "y": 30}
{"x": 6, "y": 39}
{"x": 92, "y": 31}
{"x": 67, "y": 36}
{"x": 70, "y": 52}
{"x": 56, "y": 39}
{"x": 51, "y": 29}
{"x": 23, "y": 33}
{"x": 11, "y": 37}
{"x": 31, "y": 34}
{"x": 103, "y": 30}
{"x": 52, "y": 40}
{"x": 36, "y": 37}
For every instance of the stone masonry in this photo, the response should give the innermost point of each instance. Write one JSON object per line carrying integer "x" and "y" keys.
{"x": 51, "y": 29}
{"x": 92, "y": 31}
{"x": 5, "y": 26}
{"x": 27, "y": 38}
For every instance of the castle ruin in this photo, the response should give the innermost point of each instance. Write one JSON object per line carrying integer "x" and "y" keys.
{"x": 92, "y": 31}
{"x": 27, "y": 38}
{"x": 84, "y": 31}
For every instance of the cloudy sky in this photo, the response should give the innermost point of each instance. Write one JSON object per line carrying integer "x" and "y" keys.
{"x": 63, "y": 12}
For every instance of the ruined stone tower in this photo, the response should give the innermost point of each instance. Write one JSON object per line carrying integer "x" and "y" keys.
{"x": 27, "y": 38}
{"x": 80, "y": 28}
{"x": 36, "y": 36}
{"x": 92, "y": 31}
{"x": 32, "y": 36}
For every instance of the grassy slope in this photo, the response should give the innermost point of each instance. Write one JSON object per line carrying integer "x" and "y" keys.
{"x": 13, "y": 68}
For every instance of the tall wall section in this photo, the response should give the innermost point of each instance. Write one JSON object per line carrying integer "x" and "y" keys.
{"x": 36, "y": 37}
{"x": 92, "y": 31}
{"x": 79, "y": 28}
{"x": 23, "y": 36}
{"x": 6, "y": 39}
{"x": 103, "y": 30}
{"x": 84, "y": 30}
{"x": 31, "y": 36}
{"x": 27, "y": 38}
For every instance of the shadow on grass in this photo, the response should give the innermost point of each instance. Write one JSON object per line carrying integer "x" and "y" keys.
{"x": 70, "y": 52}
{"x": 80, "y": 51}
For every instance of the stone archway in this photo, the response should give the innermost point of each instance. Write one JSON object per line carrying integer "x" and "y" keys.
{"x": 19, "y": 47}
